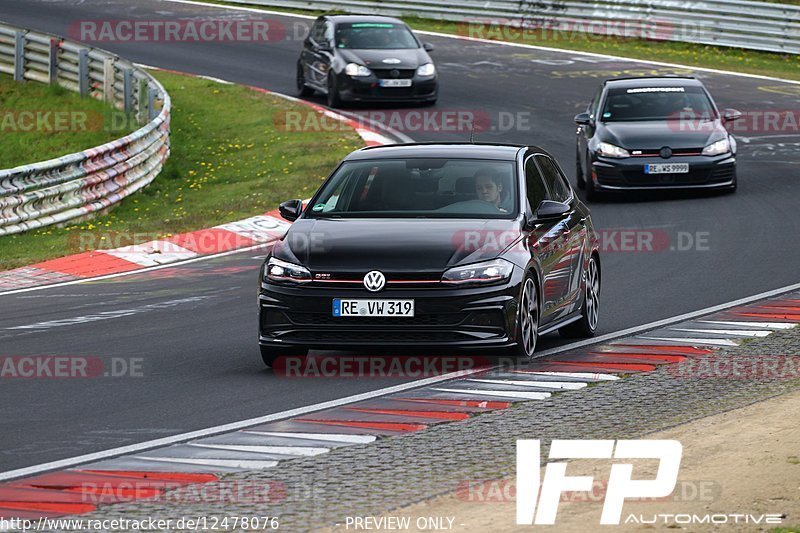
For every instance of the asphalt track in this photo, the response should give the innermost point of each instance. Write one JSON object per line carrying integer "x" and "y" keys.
{"x": 192, "y": 328}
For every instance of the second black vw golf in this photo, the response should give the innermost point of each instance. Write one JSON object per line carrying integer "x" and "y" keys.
{"x": 654, "y": 133}
{"x": 353, "y": 58}
{"x": 464, "y": 245}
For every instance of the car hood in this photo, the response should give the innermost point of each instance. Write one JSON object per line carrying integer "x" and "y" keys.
{"x": 409, "y": 58}
{"x": 653, "y": 135}
{"x": 394, "y": 245}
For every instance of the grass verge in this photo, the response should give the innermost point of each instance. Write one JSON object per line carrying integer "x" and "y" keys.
{"x": 230, "y": 160}
{"x": 40, "y": 122}
{"x": 697, "y": 55}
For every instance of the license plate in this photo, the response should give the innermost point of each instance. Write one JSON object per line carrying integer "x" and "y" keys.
{"x": 395, "y": 83}
{"x": 368, "y": 308}
{"x": 667, "y": 168}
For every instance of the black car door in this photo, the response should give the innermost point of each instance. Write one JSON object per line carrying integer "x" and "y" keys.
{"x": 573, "y": 232}
{"x": 586, "y": 132}
{"x": 547, "y": 242}
{"x": 317, "y": 53}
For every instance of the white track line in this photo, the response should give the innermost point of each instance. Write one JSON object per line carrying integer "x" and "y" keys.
{"x": 300, "y": 451}
{"x": 685, "y": 340}
{"x": 226, "y": 463}
{"x": 578, "y": 375}
{"x": 765, "y": 325}
{"x": 337, "y": 438}
{"x": 505, "y": 394}
{"x": 733, "y": 332}
{"x": 559, "y": 385}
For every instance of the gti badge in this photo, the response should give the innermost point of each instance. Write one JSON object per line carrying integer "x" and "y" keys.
{"x": 392, "y": 61}
{"x": 374, "y": 281}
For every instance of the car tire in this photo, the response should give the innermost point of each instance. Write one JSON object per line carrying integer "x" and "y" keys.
{"x": 270, "y": 354}
{"x": 592, "y": 194}
{"x": 334, "y": 100}
{"x": 590, "y": 311}
{"x": 528, "y": 316}
{"x": 302, "y": 88}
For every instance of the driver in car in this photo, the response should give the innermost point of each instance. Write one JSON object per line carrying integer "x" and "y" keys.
{"x": 489, "y": 188}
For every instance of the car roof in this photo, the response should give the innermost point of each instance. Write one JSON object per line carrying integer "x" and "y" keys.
{"x": 653, "y": 81}
{"x": 453, "y": 150}
{"x": 362, "y": 18}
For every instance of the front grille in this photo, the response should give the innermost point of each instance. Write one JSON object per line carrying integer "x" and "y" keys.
{"x": 326, "y": 319}
{"x": 394, "y": 74}
{"x": 373, "y": 337}
{"x": 675, "y": 152}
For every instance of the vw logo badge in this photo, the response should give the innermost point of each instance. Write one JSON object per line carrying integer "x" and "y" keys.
{"x": 374, "y": 281}
{"x": 666, "y": 152}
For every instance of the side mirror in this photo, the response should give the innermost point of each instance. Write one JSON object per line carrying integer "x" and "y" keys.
{"x": 428, "y": 47}
{"x": 549, "y": 210}
{"x": 291, "y": 209}
{"x": 584, "y": 119}
{"x": 729, "y": 115}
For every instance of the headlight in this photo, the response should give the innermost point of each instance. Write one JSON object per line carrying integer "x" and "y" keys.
{"x": 356, "y": 71}
{"x": 609, "y": 150}
{"x": 281, "y": 271}
{"x": 426, "y": 70}
{"x": 479, "y": 273}
{"x": 719, "y": 147}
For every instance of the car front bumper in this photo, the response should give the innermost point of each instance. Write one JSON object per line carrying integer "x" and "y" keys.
{"x": 367, "y": 88}
{"x": 628, "y": 173}
{"x": 451, "y": 317}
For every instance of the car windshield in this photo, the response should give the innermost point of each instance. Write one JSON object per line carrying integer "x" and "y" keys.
{"x": 419, "y": 188}
{"x": 375, "y": 36}
{"x": 657, "y": 103}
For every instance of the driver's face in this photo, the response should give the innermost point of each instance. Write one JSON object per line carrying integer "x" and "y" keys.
{"x": 487, "y": 190}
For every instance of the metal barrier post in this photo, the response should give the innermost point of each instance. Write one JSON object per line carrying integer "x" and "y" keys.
{"x": 52, "y": 76}
{"x": 83, "y": 72}
{"x": 19, "y": 55}
{"x": 108, "y": 80}
{"x": 127, "y": 90}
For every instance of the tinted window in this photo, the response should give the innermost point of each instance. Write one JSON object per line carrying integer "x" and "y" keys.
{"x": 375, "y": 36}
{"x": 535, "y": 186}
{"x": 318, "y": 31}
{"x": 559, "y": 190}
{"x": 656, "y": 103}
{"x": 441, "y": 188}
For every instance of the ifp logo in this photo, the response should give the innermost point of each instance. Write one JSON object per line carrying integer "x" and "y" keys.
{"x": 537, "y": 500}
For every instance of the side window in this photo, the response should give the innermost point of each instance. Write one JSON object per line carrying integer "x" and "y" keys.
{"x": 318, "y": 31}
{"x": 327, "y": 33}
{"x": 593, "y": 107}
{"x": 533, "y": 183}
{"x": 557, "y": 185}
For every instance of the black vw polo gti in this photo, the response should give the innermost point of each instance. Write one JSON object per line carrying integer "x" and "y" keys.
{"x": 654, "y": 133}
{"x": 366, "y": 58}
{"x": 463, "y": 245}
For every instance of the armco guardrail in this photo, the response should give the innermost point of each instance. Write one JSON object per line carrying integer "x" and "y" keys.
{"x": 77, "y": 185}
{"x": 734, "y": 23}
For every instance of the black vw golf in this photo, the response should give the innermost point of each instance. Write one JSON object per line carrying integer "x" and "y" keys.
{"x": 366, "y": 58}
{"x": 654, "y": 133}
{"x": 463, "y": 245}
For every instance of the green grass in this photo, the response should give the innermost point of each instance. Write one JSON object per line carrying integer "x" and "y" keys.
{"x": 31, "y": 130}
{"x": 717, "y": 57}
{"x": 229, "y": 161}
